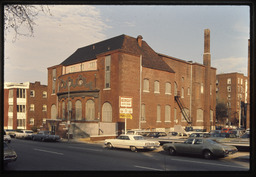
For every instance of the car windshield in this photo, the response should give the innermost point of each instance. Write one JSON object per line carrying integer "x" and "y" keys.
{"x": 138, "y": 137}
{"x": 28, "y": 131}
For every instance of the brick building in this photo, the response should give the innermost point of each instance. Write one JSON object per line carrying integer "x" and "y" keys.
{"x": 85, "y": 89}
{"x": 232, "y": 90}
{"x": 25, "y": 105}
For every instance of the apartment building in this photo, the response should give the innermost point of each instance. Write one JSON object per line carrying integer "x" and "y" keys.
{"x": 25, "y": 105}
{"x": 85, "y": 91}
{"x": 232, "y": 89}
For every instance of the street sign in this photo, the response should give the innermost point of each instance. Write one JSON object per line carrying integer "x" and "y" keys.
{"x": 125, "y": 116}
{"x": 126, "y": 110}
{"x": 125, "y": 102}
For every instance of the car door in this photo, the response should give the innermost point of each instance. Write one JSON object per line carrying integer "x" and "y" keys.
{"x": 184, "y": 147}
{"x": 197, "y": 146}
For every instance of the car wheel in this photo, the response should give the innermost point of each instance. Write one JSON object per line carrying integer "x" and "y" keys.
{"x": 109, "y": 145}
{"x": 207, "y": 154}
{"x": 172, "y": 151}
{"x": 133, "y": 149}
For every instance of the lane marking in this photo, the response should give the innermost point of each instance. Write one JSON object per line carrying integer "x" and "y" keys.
{"x": 210, "y": 163}
{"x": 98, "y": 150}
{"x": 42, "y": 150}
{"x": 148, "y": 168}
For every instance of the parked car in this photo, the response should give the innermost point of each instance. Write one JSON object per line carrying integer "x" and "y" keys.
{"x": 154, "y": 134}
{"x": 226, "y": 130}
{"x": 10, "y": 132}
{"x": 205, "y": 135}
{"x": 45, "y": 136}
{"x": 174, "y": 135}
{"x": 7, "y": 138}
{"x": 137, "y": 132}
{"x": 223, "y": 137}
{"x": 132, "y": 142}
{"x": 205, "y": 147}
{"x": 238, "y": 133}
{"x": 9, "y": 154}
{"x": 24, "y": 134}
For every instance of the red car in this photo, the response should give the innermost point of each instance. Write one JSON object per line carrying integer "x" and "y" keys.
{"x": 226, "y": 130}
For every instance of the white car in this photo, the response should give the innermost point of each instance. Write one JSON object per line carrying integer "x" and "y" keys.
{"x": 24, "y": 134}
{"x": 132, "y": 142}
{"x": 7, "y": 138}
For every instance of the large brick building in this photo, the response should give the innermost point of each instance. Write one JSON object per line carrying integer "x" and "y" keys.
{"x": 232, "y": 90}
{"x": 85, "y": 89}
{"x": 25, "y": 105}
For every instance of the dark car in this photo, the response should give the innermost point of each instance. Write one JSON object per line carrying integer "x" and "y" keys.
{"x": 205, "y": 135}
{"x": 45, "y": 136}
{"x": 205, "y": 147}
{"x": 154, "y": 134}
{"x": 9, "y": 154}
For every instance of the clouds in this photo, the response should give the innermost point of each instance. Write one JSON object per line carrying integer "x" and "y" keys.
{"x": 230, "y": 65}
{"x": 56, "y": 37}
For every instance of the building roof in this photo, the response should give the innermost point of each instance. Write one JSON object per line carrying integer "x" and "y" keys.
{"x": 124, "y": 43}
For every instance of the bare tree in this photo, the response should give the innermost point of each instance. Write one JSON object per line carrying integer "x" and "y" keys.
{"x": 18, "y": 17}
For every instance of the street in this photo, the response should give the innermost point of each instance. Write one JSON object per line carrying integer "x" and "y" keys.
{"x": 76, "y": 156}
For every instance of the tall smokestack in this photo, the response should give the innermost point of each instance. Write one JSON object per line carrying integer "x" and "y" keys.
{"x": 207, "y": 54}
{"x": 207, "y": 81}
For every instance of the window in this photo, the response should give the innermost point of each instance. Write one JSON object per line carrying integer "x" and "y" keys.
{"x": 10, "y": 108}
{"x": 210, "y": 89}
{"x": 199, "y": 115}
{"x": 107, "y": 71}
{"x": 44, "y": 107}
{"x": 90, "y": 110}
{"x": 211, "y": 115}
{"x": 44, "y": 94}
{"x": 143, "y": 113}
{"x": 167, "y": 113}
{"x": 21, "y": 93}
{"x": 53, "y": 112}
{"x": 63, "y": 110}
{"x": 202, "y": 88}
{"x": 241, "y": 81}
{"x": 32, "y": 93}
{"x": 32, "y": 107}
{"x": 21, "y": 123}
{"x": 229, "y": 88}
{"x": 158, "y": 112}
{"x": 145, "y": 85}
{"x": 168, "y": 87}
{"x": 238, "y": 80}
{"x": 175, "y": 89}
{"x": 107, "y": 112}
{"x": 182, "y": 92}
{"x": 182, "y": 79}
{"x": 69, "y": 109}
{"x": 21, "y": 108}
{"x": 31, "y": 121}
{"x": 78, "y": 106}
{"x": 156, "y": 87}
{"x": 229, "y": 81}
{"x": 188, "y": 91}
{"x": 53, "y": 80}
{"x": 11, "y": 93}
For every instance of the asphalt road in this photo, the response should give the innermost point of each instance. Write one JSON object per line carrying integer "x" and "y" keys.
{"x": 74, "y": 156}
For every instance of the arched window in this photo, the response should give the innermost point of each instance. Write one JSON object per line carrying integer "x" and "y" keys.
{"x": 63, "y": 110}
{"x": 168, "y": 88}
{"x": 69, "y": 110}
{"x": 78, "y": 106}
{"x": 156, "y": 87}
{"x": 167, "y": 113}
{"x": 53, "y": 112}
{"x": 175, "y": 89}
{"x": 145, "y": 85}
{"x": 107, "y": 112}
{"x": 200, "y": 115}
{"x": 90, "y": 110}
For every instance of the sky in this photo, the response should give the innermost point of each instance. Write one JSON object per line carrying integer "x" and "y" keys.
{"x": 173, "y": 30}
